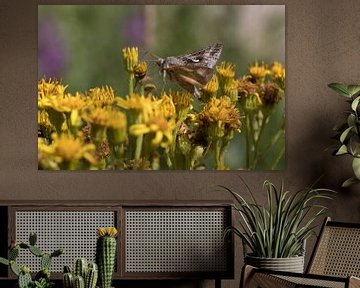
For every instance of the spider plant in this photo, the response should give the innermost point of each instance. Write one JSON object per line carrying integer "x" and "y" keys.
{"x": 279, "y": 229}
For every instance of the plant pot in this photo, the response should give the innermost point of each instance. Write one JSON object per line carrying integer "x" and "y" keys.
{"x": 291, "y": 264}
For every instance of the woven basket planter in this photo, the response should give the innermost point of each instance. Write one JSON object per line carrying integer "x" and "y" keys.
{"x": 291, "y": 264}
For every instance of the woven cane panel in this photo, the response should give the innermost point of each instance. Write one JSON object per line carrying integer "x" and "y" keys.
{"x": 338, "y": 253}
{"x": 74, "y": 231}
{"x": 175, "y": 241}
{"x": 306, "y": 282}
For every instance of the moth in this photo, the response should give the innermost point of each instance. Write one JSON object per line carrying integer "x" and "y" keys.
{"x": 191, "y": 71}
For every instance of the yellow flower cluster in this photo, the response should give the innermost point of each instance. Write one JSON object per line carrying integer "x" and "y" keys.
{"x": 223, "y": 112}
{"x": 131, "y": 58}
{"x": 106, "y": 231}
{"x": 102, "y": 96}
{"x": 65, "y": 152}
{"x": 68, "y": 115}
{"x": 148, "y": 129}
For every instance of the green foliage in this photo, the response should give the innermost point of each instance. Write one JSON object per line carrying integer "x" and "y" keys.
{"x": 279, "y": 229}
{"x": 42, "y": 278}
{"x": 349, "y": 131}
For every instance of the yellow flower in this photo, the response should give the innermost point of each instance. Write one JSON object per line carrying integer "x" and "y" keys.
{"x": 158, "y": 126}
{"x": 131, "y": 58}
{"x": 259, "y": 71}
{"x": 66, "y": 149}
{"x": 140, "y": 70}
{"x": 106, "y": 231}
{"x": 103, "y": 96}
{"x": 211, "y": 88}
{"x": 231, "y": 89}
{"x": 182, "y": 99}
{"x": 105, "y": 117}
{"x": 50, "y": 87}
{"x": 278, "y": 73}
{"x": 44, "y": 121}
{"x": 67, "y": 103}
{"x": 226, "y": 70}
{"x": 167, "y": 106}
{"x": 222, "y": 112}
{"x": 140, "y": 104}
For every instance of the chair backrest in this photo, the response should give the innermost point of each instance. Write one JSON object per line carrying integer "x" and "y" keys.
{"x": 337, "y": 251}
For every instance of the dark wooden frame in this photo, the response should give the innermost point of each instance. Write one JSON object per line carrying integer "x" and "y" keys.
{"x": 119, "y": 208}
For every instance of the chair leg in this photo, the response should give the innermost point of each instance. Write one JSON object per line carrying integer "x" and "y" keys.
{"x": 217, "y": 283}
{"x": 246, "y": 274}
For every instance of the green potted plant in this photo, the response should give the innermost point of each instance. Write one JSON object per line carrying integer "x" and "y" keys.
{"x": 274, "y": 234}
{"x": 349, "y": 132}
{"x": 42, "y": 278}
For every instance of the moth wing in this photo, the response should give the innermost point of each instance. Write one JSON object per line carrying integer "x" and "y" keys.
{"x": 206, "y": 57}
{"x": 197, "y": 75}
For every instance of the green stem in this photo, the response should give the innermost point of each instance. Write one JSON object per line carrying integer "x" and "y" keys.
{"x": 142, "y": 89}
{"x": 218, "y": 157}
{"x": 277, "y": 159}
{"x": 139, "y": 141}
{"x": 131, "y": 83}
{"x": 247, "y": 136}
{"x": 256, "y": 144}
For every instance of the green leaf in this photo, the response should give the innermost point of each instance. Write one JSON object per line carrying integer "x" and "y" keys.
{"x": 340, "y": 88}
{"x": 355, "y": 103}
{"x": 342, "y": 150}
{"x": 344, "y": 134}
{"x": 353, "y": 89}
{"x": 351, "y": 120}
{"x": 349, "y": 182}
{"x": 356, "y": 167}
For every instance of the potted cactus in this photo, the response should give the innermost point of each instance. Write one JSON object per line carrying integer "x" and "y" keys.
{"x": 84, "y": 275}
{"x": 42, "y": 278}
{"x": 106, "y": 254}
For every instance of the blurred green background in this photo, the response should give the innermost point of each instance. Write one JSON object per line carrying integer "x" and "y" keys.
{"x": 81, "y": 44}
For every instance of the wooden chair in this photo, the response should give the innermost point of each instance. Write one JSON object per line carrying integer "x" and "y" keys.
{"x": 335, "y": 262}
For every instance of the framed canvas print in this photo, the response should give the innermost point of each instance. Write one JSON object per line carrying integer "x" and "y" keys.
{"x": 157, "y": 87}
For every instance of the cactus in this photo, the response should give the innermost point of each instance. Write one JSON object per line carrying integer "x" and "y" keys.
{"x": 91, "y": 276}
{"x": 44, "y": 273}
{"x": 32, "y": 239}
{"x": 88, "y": 273}
{"x": 36, "y": 251}
{"x": 105, "y": 254}
{"x": 13, "y": 253}
{"x": 14, "y": 268}
{"x": 24, "y": 277}
{"x": 80, "y": 267}
{"x": 45, "y": 261}
{"x": 79, "y": 282}
{"x": 4, "y": 261}
{"x": 42, "y": 278}
{"x": 68, "y": 280}
{"x": 57, "y": 253}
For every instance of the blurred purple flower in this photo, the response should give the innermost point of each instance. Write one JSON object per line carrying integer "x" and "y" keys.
{"x": 134, "y": 30}
{"x": 51, "y": 49}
